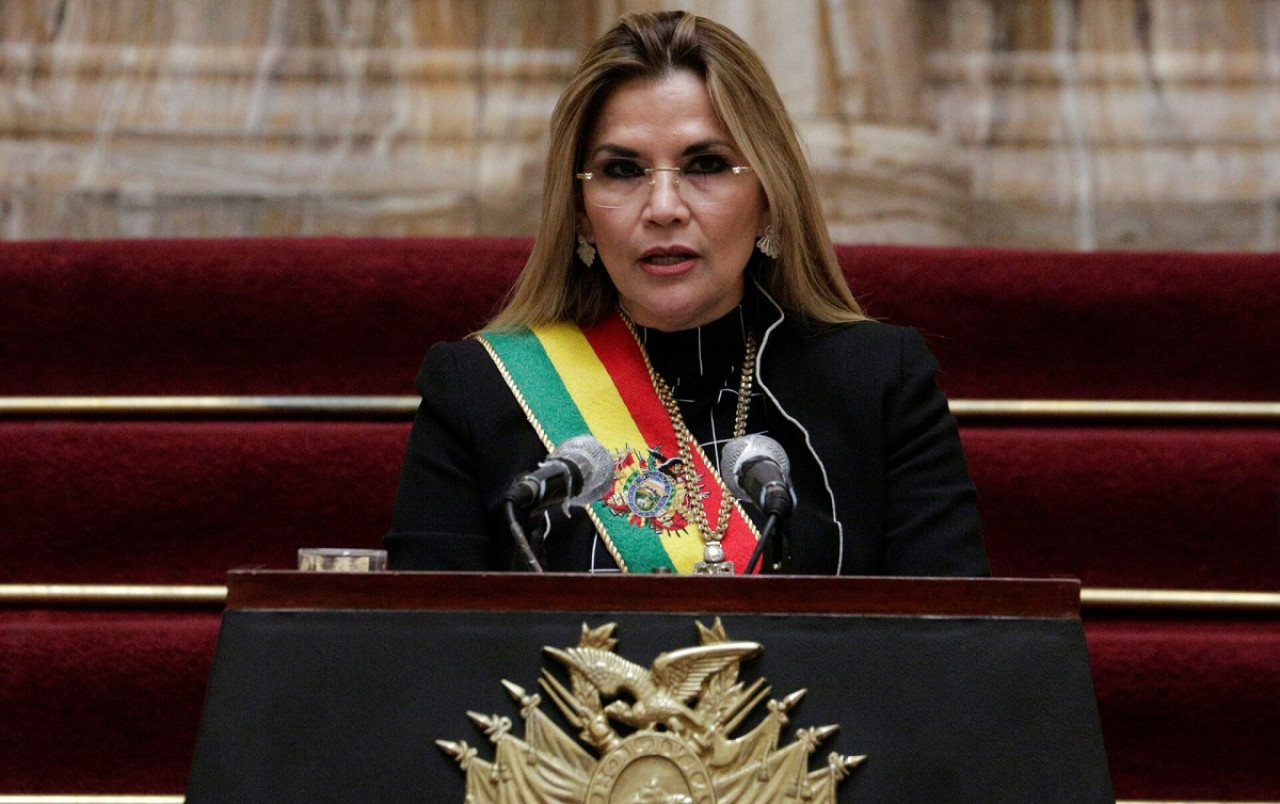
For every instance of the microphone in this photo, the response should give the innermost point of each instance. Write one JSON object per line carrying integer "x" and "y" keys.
{"x": 577, "y": 472}
{"x": 756, "y": 468}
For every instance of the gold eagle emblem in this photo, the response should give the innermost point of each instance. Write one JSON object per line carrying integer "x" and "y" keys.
{"x": 661, "y": 695}
{"x": 660, "y": 735}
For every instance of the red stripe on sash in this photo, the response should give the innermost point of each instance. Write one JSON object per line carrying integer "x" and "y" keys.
{"x": 620, "y": 354}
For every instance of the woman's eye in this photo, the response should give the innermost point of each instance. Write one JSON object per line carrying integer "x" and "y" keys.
{"x": 623, "y": 169}
{"x": 707, "y": 163}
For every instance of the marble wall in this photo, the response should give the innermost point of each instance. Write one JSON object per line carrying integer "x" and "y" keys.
{"x": 1142, "y": 124}
{"x": 1114, "y": 123}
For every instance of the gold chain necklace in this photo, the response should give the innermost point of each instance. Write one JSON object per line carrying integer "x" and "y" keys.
{"x": 713, "y": 552}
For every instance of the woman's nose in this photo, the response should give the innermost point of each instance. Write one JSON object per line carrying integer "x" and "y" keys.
{"x": 665, "y": 202}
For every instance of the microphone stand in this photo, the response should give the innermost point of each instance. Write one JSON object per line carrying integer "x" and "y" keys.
{"x": 776, "y": 554}
{"x": 780, "y": 550}
{"x": 522, "y": 541}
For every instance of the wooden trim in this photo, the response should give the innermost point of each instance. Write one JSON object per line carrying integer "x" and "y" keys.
{"x": 478, "y": 591}
{"x": 403, "y": 407}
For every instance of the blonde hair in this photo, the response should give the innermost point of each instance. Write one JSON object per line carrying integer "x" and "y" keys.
{"x": 805, "y": 278}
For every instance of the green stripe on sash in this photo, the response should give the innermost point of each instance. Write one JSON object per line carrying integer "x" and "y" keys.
{"x": 539, "y": 385}
{"x": 542, "y": 394}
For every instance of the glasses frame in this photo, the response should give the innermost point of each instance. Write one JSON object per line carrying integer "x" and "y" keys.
{"x": 650, "y": 174}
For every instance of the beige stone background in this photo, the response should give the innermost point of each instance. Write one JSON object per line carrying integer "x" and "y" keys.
{"x": 1072, "y": 124}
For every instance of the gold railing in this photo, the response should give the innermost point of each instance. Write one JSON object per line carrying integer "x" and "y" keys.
{"x": 180, "y": 799}
{"x": 404, "y": 406}
{"x": 92, "y": 799}
{"x": 38, "y": 595}
{"x": 214, "y": 596}
{"x": 1178, "y": 599}
{"x": 208, "y": 406}
{"x": 975, "y": 409}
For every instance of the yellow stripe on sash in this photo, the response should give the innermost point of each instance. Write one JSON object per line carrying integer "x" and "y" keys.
{"x": 590, "y": 386}
{"x": 596, "y": 395}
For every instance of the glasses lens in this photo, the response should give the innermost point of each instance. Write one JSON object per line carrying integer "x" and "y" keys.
{"x": 616, "y": 183}
{"x": 709, "y": 179}
{"x": 704, "y": 180}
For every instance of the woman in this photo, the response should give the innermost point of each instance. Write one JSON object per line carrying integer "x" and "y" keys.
{"x": 683, "y": 291}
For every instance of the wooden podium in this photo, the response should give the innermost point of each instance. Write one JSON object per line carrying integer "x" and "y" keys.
{"x": 335, "y": 687}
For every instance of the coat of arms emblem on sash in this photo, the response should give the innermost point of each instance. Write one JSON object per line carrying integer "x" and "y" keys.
{"x": 649, "y": 491}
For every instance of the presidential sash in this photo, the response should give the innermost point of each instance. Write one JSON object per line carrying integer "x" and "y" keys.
{"x": 570, "y": 381}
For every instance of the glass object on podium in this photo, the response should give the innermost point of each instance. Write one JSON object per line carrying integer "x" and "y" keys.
{"x": 341, "y": 559}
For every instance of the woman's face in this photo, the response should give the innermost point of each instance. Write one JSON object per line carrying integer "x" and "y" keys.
{"x": 676, "y": 260}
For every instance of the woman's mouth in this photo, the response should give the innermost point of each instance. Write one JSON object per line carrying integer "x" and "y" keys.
{"x": 667, "y": 262}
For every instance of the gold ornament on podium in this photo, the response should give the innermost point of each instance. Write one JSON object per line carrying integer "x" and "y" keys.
{"x": 658, "y": 735}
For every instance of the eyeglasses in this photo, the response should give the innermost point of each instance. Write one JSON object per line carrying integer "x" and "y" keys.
{"x": 703, "y": 180}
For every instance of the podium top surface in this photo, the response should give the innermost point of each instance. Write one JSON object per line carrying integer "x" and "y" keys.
{"x": 482, "y": 591}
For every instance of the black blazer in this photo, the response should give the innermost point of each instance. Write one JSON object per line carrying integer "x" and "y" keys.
{"x": 880, "y": 476}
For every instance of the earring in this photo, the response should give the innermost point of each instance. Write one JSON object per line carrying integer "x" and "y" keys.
{"x": 586, "y": 251}
{"x": 769, "y": 244}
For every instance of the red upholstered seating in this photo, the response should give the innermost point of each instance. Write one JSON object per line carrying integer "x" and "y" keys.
{"x": 1189, "y": 705}
{"x": 354, "y": 316}
{"x": 257, "y": 317}
{"x": 106, "y": 700}
{"x": 101, "y": 701}
{"x": 183, "y": 502}
{"x": 1131, "y": 506}
{"x": 1083, "y": 325}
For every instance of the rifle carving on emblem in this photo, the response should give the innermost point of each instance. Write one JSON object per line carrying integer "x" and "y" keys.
{"x": 675, "y": 745}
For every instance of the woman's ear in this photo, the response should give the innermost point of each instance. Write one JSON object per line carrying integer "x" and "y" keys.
{"x": 766, "y": 220}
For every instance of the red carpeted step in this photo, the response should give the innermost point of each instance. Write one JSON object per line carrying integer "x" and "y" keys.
{"x": 239, "y": 316}
{"x": 1192, "y": 508}
{"x": 1189, "y": 707}
{"x": 356, "y": 315}
{"x": 101, "y": 702}
{"x": 184, "y": 502}
{"x": 1083, "y": 325}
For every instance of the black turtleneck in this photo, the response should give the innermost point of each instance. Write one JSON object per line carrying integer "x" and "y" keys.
{"x": 703, "y": 367}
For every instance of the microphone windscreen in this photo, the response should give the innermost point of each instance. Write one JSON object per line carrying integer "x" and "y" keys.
{"x": 741, "y": 451}
{"x": 594, "y": 462}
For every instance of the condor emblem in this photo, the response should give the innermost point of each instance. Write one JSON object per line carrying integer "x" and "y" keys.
{"x": 658, "y": 735}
